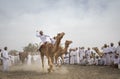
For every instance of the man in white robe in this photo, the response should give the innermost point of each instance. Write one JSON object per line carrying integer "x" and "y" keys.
{"x": 77, "y": 55}
{"x": 88, "y": 54}
{"x": 106, "y": 56}
{"x": 5, "y": 58}
{"x": 44, "y": 37}
{"x": 102, "y": 60}
{"x": 112, "y": 53}
{"x": 118, "y": 49}
{"x": 66, "y": 59}
{"x": 72, "y": 54}
{"x": 0, "y": 53}
{"x": 91, "y": 61}
{"x": 0, "y": 56}
{"x": 84, "y": 61}
{"x": 116, "y": 61}
{"x": 96, "y": 60}
{"x": 82, "y": 53}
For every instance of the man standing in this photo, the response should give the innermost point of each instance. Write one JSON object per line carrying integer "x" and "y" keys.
{"x": 5, "y": 58}
{"x": 82, "y": 53}
{"x": 88, "y": 53}
{"x": 112, "y": 53}
{"x": 118, "y": 49}
{"x": 0, "y": 57}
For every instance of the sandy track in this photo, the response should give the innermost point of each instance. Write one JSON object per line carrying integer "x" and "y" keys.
{"x": 65, "y": 72}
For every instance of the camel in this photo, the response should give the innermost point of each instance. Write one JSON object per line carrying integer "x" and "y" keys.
{"x": 97, "y": 51}
{"x": 22, "y": 56}
{"x": 61, "y": 51}
{"x": 49, "y": 50}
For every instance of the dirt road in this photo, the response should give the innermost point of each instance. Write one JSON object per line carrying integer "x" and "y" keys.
{"x": 65, "y": 72}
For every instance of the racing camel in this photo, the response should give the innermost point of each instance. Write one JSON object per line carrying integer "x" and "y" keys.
{"x": 61, "y": 51}
{"x": 49, "y": 50}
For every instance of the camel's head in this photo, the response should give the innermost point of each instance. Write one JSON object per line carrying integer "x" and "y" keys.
{"x": 60, "y": 35}
{"x": 68, "y": 42}
{"x": 95, "y": 48}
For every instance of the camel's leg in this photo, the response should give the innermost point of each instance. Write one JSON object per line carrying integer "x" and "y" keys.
{"x": 50, "y": 64}
{"x": 53, "y": 63}
{"x": 22, "y": 60}
{"x": 62, "y": 59}
{"x": 56, "y": 59}
{"x": 42, "y": 58}
{"x": 52, "y": 59}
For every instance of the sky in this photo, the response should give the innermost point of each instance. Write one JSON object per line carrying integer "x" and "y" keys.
{"x": 87, "y": 23}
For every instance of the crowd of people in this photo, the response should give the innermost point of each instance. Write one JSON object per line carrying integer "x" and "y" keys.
{"x": 110, "y": 56}
{"x": 8, "y": 60}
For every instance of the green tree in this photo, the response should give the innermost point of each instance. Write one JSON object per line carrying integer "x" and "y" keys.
{"x": 32, "y": 48}
{"x": 13, "y": 52}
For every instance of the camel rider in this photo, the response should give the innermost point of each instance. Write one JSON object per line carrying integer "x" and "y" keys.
{"x": 44, "y": 37}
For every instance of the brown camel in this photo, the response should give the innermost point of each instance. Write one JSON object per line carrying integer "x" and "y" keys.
{"x": 22, "y": 56}
{"x": 49, "y": 50}
{"x": 61, "y": 51}
{"x": 97, "y": 51}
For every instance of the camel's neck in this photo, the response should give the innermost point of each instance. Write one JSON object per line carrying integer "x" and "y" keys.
{"x": 57, "y": 43}
{"x": 97, "y": 50}
{"x": 65, "y": 49}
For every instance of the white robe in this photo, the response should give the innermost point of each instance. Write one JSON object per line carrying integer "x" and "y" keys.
{"x": 82, "y": 53}
{"x": 96, "y": 61}
{"x": 112, "y": 49}
{"x": 0, "y": 56}
{"x": 16, "y": 59}
{"x": 43, "y": 38}
{"x": 112, "y": 55}
{"x": 5, "y": 61}
{"x": 88, "y": 53}
{"x": 12, "y": 58}
{"x": 91, "y": 61}
{"x": 77, "y": 56}
{"x": 107, "y": 56}
{"x": 116, "y": 60}
{"x": 29, "y": 60}
{"x": 72, "y": 54}
{"x": 83, "y": 61}
{"x": 118, "y": 50}
{"x": 66, "y": 60}
{"x": 59, "y": 61}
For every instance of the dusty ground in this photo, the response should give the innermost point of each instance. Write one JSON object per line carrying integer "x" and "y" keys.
{"x": 65, "y": 72}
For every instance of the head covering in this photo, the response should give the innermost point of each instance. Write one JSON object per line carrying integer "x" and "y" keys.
{"x": 105, "y": 45}
{"x": 41, "y": 31}
{"x": 111, "y": 44}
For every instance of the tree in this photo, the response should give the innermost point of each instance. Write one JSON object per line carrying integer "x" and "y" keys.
{"x": 13, "y": 52}
{"x": 32, "y": 48}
